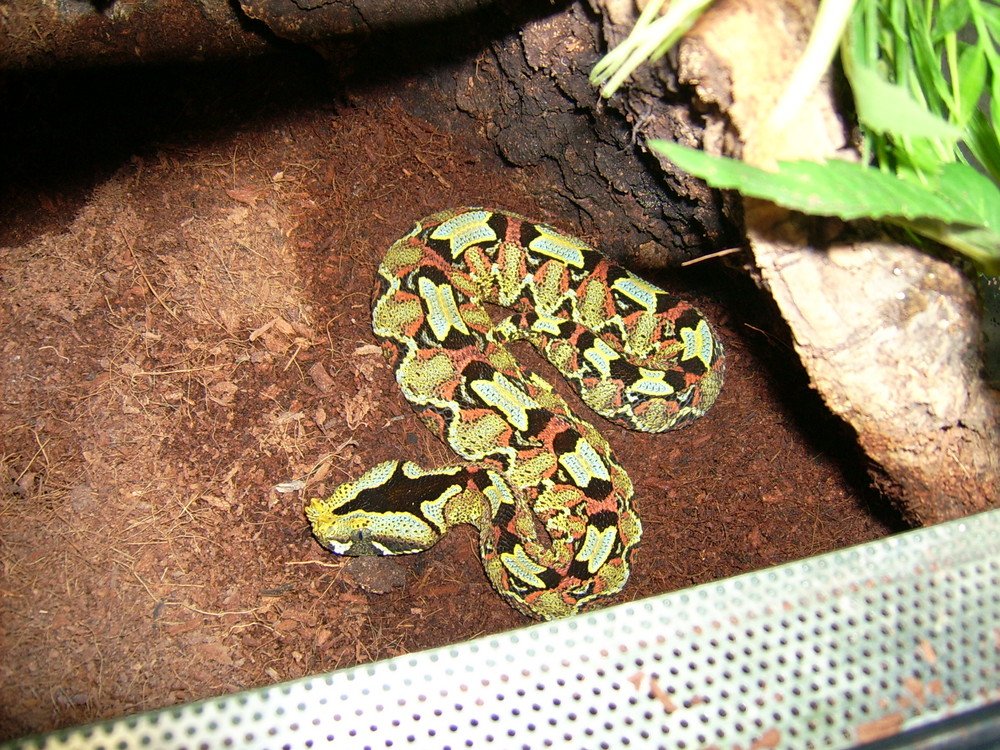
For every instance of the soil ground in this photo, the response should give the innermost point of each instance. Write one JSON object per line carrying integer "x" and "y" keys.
{"x": 186, "y": 339}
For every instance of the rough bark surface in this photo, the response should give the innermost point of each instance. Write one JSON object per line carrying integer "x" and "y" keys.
{"x": 889, "y": 338}
{"x": 311, "y": 21}
{"x": 531, "y": 93}
{"x": 889, "y": 335}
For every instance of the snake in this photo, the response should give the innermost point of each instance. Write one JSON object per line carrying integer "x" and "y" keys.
{"x": 551, "y": 503}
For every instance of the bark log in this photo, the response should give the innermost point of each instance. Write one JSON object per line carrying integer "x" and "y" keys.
{"x": 531, "y": 94}
{"x": 318, "y": 21}
{"x": 112, "y": 32}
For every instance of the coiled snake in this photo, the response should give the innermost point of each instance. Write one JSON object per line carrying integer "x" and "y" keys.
{"x": 638, "y": 356}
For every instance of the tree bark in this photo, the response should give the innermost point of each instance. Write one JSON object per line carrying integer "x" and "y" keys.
{"x": 531, "y": 94}
{"x": 311, "y": 21}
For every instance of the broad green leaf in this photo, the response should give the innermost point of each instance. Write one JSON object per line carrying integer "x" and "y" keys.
{"x": 887, "y": 108}
{"x": 974, "y": 193}
{"x": 834, "y": 188}
{"x": 962, "y": 210}
{"x": 951, "y": 17}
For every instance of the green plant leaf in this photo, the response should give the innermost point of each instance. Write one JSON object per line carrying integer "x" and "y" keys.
{"x": 649, "y": 39}
{"x": 983, "y": 142}
{"x": 834, "y": 188}
{"x": 951, "y": 18}
{"x": 961, "y": 209}
{"x": 977, "y": 243}
{"x": 922, "y": 156}
{"x": 976, "y": 194}
{"x": 971, "y": 81}
{"x": 915, "y": 52}
{"x": 990, "y": 13}
{"x": 888, "y": 108}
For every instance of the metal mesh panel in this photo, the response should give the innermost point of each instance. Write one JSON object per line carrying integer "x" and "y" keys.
{"x": 828, "y": 652}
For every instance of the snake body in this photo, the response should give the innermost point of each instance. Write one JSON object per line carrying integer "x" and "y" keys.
{"x": 552, "y": 504}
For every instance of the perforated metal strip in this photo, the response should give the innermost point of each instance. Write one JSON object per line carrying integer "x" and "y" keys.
{"x": 829, "y": 652}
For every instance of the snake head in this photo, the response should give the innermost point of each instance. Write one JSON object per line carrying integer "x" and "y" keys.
{"x": 362, "y": 532}
{"x": 389, "y": 510}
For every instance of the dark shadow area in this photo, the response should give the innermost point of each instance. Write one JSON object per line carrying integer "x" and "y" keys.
{"x": 67, "y": 130}
{"x": 766, "y": 336}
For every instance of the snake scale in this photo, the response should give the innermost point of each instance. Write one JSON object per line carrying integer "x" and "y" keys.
{"x": 552, "y": 504}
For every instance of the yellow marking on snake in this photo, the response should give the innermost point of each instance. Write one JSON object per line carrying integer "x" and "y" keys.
{"x": 639, "y": 291}
{"x": 476, "y": 438}
{"x": 433, "y": 510}
{"x": 401, "y": 527}
{"x": 558, "y": 246}
{"x": 415, "y": 471}
{"x": 596, "y": 547}
{"x": 501, "y": 394}
{"x": 584, "y": 464}
{"x": 377, "y": 476}
{"x": 498, "y": 492}
{"x": 651, "y": 383}
{"x": 547, "y": 324}
{"x": 523, "y": 567}
{"x": 600, "y": 355}
{"x": 465, "y": 230}
{"x": 442, "y": 310}
{"x": 698, "y": 342}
